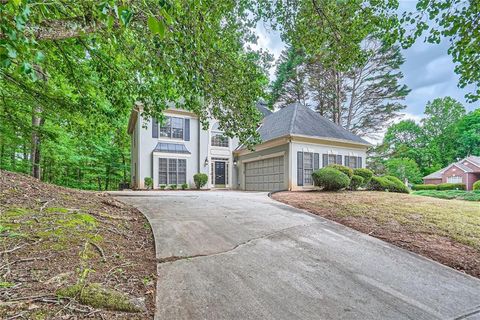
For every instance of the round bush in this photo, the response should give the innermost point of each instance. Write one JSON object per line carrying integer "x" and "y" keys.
{"x": 476, "y": 186}
{"x": 396, "y": 185}
{"x": 348, "y": 171}
{"x": 356, "y": 182}
{"x": 366, "y": 174}
{"x": 200, "y": 180}
{"x": 390, "y": 183}
{"x": 330, "y": 179}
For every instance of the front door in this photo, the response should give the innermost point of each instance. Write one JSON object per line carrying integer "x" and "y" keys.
{"x": 219, "y": 172}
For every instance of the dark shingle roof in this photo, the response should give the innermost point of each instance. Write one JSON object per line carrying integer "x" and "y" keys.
{"x": 296, "y": 119}
{"x": 171, "y": 148}
{"x": 263, "y": 108}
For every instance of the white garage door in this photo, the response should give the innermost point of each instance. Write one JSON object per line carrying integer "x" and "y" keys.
{"x": 265, "y": 175}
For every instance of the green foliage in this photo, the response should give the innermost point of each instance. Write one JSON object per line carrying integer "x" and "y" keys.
{"x": 173, "y": 187}
{"x": 467, "y": 135}
{"x": 330, "y": 179}
{"x": 356, "y": 182}
{"x": 148, "y": 182}
{"x": 387, "y": 183}
{"x": 476, "y": 185}
{"x": 366, "y": 174}
{"x": 424, "y": 187}
{"x": 346, "y": 170}
{"x": 450, "y": 194}
{"x": 404, "y": 169}
{"x": 97, "y": 296}
{"x": 163, "y": 186}
{"x": 184, "y": 186}
{"x": 200, "y": 180}
{"x": 451, "y": 186}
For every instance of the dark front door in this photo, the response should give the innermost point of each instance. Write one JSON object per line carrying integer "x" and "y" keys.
{"x": 219, "y": 172}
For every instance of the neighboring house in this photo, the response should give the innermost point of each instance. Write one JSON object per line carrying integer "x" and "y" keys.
{"x": 466, "y": 171}
{"x": 295, "y": 142}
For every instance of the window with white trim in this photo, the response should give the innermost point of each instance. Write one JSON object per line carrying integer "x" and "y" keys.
{"x": 307, "y": 168}
{"x": 351, "y": 162}
{"x": 172, "y": 171}
{"x": 172, "y": 128}
{"x": 454, "y": 179}
{"x": 219, "y": 139}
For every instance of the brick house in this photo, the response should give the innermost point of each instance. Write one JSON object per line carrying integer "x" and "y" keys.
{"x": 466, "y": 171}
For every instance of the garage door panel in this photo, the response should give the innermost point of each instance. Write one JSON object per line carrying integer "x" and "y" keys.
{"x": 265, "y": 175}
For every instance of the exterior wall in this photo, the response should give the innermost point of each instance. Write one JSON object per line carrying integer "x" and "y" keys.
{"x": 134, "y": 145}
{"x": 471, "y": 165}
{"x": 454, "y": 171}
{"x": 259, "y": 155}
{"x": 321, "y": 149}
{"x": 472, "y": 178}
{"x": 432, "y": 181}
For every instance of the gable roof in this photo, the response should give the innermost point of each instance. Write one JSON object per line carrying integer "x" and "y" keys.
{"x": 459, "y": 164}
{"x": 297, "y": 119}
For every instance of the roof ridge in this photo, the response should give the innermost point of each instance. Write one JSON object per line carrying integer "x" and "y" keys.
{"x": 294, "y": 116}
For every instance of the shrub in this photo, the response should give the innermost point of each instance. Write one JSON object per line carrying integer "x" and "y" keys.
{"x": 366, "y": 174}
{"x": 356, "y": 182}
{"x": 184, "y": 186}
{"x": 173, "y": 186}
{"x": 476, "y": 186}
{"x": 330, "y": 179}
{"x": 397, "y": 185}
{"x": 424, "y": 187}
{"x": 346, "y": 170}
{"x": 200, "y": 180}
{"x": 451, "y": 186}
{"x": 163, "y": 186}
{"x": 387, "y": 183}
{"x": 148, "y": 182}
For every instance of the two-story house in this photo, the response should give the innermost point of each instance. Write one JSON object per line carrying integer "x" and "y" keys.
{"x": 295, "y": 142}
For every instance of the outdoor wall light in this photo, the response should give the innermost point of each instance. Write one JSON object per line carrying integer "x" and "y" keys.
{"x": 235, "y": 162}
{"x": 206, "y": 161}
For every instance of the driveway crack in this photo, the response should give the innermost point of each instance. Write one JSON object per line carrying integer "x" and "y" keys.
{"x": 244, "y": 243}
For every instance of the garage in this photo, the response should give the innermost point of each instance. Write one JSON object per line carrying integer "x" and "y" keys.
{"x": 265, "y": 175}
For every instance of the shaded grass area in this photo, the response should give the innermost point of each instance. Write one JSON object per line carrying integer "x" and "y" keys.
{"x": 68, "y": 254}
{"x": 450, "y": 194}
{"x": 445, "y": 230}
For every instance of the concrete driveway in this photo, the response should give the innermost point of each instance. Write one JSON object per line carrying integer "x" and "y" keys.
{"x": 239, "y": 255}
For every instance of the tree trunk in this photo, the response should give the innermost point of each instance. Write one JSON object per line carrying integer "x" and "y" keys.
{"x": 35, "y": 154}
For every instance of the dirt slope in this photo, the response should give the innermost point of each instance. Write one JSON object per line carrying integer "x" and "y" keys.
{"x": 54, "y": 238}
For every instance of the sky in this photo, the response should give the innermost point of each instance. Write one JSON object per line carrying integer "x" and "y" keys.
{"x": 428, "y": 69}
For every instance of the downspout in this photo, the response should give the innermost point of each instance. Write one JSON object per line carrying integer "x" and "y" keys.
{"x": 198, "y": 151}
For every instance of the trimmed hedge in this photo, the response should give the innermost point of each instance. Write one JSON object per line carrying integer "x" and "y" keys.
{"x": 476, "y": 186}
{"x": 387, "y": 183}
{"x": 346, "y": 170}
{"x": 424, "y": 187}
{"x": 366, "y": 174}
{"x": 356, "y": 182}
{"x": 451, "y": 186}
{"x": 330, "y": 179}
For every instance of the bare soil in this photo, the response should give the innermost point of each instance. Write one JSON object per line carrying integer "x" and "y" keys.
{"x": 53, "y": 237}
{"x": 447, "y": 231}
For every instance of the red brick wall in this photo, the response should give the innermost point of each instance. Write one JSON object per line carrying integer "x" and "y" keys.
{"x": 432, "y": 181}
{"x": 454, "y": 171}
{"x": 472, "y": 178}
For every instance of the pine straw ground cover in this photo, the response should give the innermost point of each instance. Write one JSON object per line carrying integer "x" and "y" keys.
{"x": 68, "y": 254}
{"x": 447, "y": 231}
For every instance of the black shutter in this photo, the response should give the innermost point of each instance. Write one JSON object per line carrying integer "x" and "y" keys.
{"x": 299, "y": 168}
{"x": 359, "y": 162}
{"x": 347, "y": 161}
{"x": 339, "y": 159}
{"x": 187, "y": 130}
{"x": 316, "y": 161}
{"x": 154, "y": 128}
{"x": 325, "y": 160}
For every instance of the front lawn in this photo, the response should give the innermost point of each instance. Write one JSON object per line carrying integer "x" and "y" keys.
{"x": 447, "y": 231}
{"x": 450, "y": 194}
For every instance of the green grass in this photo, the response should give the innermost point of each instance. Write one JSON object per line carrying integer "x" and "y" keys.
{"x": 450, "y": 194}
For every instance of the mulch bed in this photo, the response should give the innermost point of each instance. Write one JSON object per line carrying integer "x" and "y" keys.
{"x": 426, "y": 243}
{"x": 53, "y": 237}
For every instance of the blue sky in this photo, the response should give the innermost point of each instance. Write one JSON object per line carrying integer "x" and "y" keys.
{"x": 428, "y": 69}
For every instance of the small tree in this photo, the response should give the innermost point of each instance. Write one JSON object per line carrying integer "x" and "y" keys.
{"x": 200, "y": 180}
{"x": 404, "y": 169}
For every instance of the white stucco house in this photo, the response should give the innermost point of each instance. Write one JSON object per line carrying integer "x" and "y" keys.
{"x": 295, "y": 142}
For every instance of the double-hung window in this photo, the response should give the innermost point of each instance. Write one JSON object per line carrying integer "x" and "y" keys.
{"x": 172, "y": 128}
{"x": 172, "y": 171}
{"x": 353, "y": 162}
{"x": 307, "y": 168}
{"x": 219, "y": 139}
{"x": 455, "y": 179}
